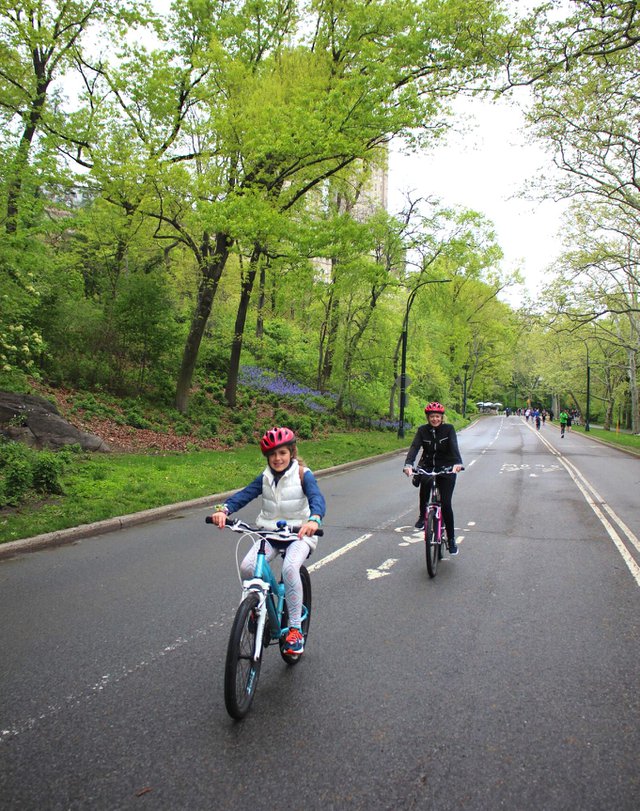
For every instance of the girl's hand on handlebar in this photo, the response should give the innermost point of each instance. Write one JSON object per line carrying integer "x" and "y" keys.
{"x": 309, "y": 528}
{"x": 457, "y": 468}
{"x": 407, "y": 470}
{"x": 219, "y": 519}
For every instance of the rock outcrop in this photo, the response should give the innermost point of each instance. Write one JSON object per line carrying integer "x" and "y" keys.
{"x": 37, "y": 422}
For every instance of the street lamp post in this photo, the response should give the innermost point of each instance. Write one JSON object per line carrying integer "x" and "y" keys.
{"x": 403, "y": 360}
{"x": 464, "y": 391}
{"x": 586, "y": 416}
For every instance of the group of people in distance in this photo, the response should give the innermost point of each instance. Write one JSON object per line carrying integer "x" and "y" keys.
{"x": 290, "y": 492}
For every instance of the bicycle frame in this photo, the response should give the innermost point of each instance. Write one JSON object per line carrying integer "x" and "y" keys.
{"x": 434, "y": 505}
{"x": 433, "y": 518}
{"x": 271, "y": 594}
{"x": 263, "y": 601}
{"x": 270, "y": 590}
{"x": 435, "y": 502}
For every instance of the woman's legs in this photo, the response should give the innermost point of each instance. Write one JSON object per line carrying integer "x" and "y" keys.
{"x": 446, "y": 485}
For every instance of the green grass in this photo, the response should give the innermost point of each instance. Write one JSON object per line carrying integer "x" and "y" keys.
{"x": 630, "y": 441}
{"x": 101, "y": 486}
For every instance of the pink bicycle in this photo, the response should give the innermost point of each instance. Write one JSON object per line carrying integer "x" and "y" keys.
{"x": 435, "y": 533}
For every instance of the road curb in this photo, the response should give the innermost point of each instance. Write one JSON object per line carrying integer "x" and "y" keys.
{"x": 72, "y": 534}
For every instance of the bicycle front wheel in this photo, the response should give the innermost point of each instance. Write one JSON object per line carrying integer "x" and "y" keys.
{"x": 431, "y": 543}
{"x": 241, "y": 669}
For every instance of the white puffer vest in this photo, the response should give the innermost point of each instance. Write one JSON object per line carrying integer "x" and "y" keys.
{"x": 286, "y": 501}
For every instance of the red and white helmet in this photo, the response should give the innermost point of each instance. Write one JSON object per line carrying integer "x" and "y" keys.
{"x": 276, "y": 438}
{"x": 434, "y": 408}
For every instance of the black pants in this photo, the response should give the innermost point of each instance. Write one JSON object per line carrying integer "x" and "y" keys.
{"x": 446, "y": 485}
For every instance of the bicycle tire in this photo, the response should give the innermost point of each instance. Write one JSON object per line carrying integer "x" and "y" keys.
{"x": 293, "y": 659}
{"x": 432, "y": 547}
{"x": 241, "y": 672}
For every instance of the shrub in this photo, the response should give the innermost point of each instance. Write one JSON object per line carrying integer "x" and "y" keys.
{"x": 18, "y": 480}
{"x": 136, "y": 420}
{"x": 23, "y": 469}
{"x": 46, "y": 470}
{"x": 208, "y": 430}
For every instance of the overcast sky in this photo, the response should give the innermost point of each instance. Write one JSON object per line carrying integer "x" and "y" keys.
{"x": 484, "y": 168}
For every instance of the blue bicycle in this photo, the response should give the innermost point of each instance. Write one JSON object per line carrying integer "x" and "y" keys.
{"x": 261, "y": 618}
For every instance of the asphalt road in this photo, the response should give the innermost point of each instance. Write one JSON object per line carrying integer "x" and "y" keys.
{"x": 510, "y": 681}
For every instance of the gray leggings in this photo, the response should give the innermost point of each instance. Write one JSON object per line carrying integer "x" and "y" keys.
{"x": 296, "y": 554}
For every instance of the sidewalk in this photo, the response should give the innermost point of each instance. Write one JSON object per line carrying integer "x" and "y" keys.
{"x": 612, "y": 430}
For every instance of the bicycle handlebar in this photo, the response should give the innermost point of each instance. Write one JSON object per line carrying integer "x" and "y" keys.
{"x": 283, "y": 533}
{"x": 442, "y": 472}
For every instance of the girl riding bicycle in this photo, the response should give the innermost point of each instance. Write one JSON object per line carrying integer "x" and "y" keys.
{"x": 439, "y": 444}
{"x": 289, "y": 493}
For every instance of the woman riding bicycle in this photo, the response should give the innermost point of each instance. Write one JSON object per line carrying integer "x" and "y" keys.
{"x": 439, "y": 444}
{"x": 289, "y": 493}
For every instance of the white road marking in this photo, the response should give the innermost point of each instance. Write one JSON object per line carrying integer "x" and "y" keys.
{"x": 382, "y": 570}
{"x": 409, "y": 540}
{"x": 509, "y": 467}
{"x": 587, "y": 490}
{"x": 343, "y": 550}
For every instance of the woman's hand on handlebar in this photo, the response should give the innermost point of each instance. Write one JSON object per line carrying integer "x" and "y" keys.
{"x": 407, "y": 470}
{"x": 457, "y": 468}
{"x": 219, "y": 519}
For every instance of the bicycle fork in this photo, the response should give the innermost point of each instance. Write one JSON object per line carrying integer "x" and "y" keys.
{"x": 261, "y": 588}
{"x": 437, "y": 514}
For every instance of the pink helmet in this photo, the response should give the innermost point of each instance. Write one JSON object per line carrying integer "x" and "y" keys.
{"x": 434, "y": 408}
{"x": 276, "y": 438}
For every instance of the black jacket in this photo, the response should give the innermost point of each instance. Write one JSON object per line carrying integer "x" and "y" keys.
{"x": 439, "y": 447}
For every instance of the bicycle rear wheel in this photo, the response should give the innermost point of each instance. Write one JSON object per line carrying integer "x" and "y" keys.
{"x": 292, "y": 659}
{"x": 432, "y": 546}
{"x": 241, "y": 670}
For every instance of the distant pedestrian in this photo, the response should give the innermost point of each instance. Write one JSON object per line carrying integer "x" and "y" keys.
{"x": 564, "y": 419}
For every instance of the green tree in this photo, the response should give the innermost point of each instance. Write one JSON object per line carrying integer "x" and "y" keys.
{"x": 40, "y": 42}
{"x": 269, "y": 121}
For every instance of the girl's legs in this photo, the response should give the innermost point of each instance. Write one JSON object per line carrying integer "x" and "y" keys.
{"x": 297, "y": 553}
{"x": 248, "y": 565}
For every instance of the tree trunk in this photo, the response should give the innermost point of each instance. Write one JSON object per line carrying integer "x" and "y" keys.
{"x": 353, "y": 341}
{"x": 330, "y": 332}
{"x": 261, "y": 301}
{"x": 608, "y": 414}
{"x": 20, "y": 164}
{"x": 231, "y": 389}
{"x": 396, "y": 375}
{"x": 212, "y": 266}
